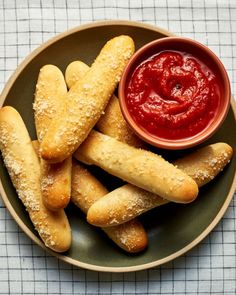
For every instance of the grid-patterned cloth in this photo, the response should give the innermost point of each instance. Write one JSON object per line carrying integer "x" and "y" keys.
{"x": 210, "y": 268}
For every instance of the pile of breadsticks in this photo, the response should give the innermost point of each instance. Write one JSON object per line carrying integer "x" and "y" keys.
{"x": 86, "y": 122}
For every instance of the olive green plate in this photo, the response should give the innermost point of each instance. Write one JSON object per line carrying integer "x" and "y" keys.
{"x": 172, "y": 229}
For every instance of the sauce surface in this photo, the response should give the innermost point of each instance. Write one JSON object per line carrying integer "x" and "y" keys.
{"x": 173, "y": 95}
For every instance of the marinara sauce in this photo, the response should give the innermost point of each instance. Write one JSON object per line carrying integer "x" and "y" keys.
{"x": 173, "y": 95}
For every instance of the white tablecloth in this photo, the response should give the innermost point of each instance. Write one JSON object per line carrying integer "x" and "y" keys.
{"x": 210, "y": 268}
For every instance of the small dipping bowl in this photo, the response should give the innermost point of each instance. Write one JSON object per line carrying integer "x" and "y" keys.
{"x": 207, "y": 59}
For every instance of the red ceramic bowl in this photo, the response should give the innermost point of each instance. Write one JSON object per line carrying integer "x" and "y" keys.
{"x": 206, "y": 57}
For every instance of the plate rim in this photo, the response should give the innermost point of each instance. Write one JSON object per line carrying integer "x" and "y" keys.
{"x": 31, "y": 235}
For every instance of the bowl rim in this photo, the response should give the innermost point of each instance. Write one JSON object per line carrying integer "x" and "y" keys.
{"x": 32, "y": 235}
{"x": 138, "y": 58}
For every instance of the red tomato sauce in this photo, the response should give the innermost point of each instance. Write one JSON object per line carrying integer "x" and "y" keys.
{"x": 173, "y": 95}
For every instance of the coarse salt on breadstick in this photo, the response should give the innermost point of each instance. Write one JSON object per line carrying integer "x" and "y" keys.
{"x": 86, "y": 190}
{"x": 129, "y": 201}
{"x": 205, "y": 164}
{"x": 86, "y": 101}
{"x": 49, "y": 99}
{"x": 56, "y": 183}
{"x": 121, "y": 205}
{"x": 49, "y": 96}
{"x": 138, "y": 167}
{"x": 112, "y": 122}
{"x": 23, "y": 167}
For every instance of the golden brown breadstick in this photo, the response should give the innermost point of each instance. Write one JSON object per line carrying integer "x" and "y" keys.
{"x": 49, "y": 96}
{"x": 56, "y": 191}
{"x": 204, "y": 164}
{"x": 49, "y": 99}
{"x": 86, "y": 101}
{"x": 112, "y": 123}
{"x": 86, "y": 190}
{"x": 129, "y": 201}
{"x": 56, "y": 183}
{"x": 23, "y": 167}
{"x": 122, "y": 205}
{"x": 138, "y": 167}
{"x": 75, "y": 71}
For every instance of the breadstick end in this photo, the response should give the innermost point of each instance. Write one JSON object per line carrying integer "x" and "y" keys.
{"x": 228, "y": 150}
{"x": 4, "y": 111}
{"x": 95, "y": 218}
{"x": 55, "y": 200}
{"x": 64, "y": 238}
{"x": 130, "y": 236}
{"x": 74, "y": 72}
{"x": 190, "y": 193}
{"x": 52, "y": 154}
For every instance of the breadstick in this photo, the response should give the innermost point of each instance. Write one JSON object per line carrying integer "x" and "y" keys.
{"x": 75, "y": 71}
{"x": 23, "y": 167}
{"x": 112, "y": 123}
{"x": 49, "y": 99}
{"x": 49, "y": 96}
{"x": 86, "y": 101}
{"x": 128, "y": 201}
{"x": 55, "y": 181}
{"x": 204, "y": 164}
{"x": 86, "y": 190}
{"x": 138, "y": 167}
{"x": 56, "y": 184}
{"x": 122, "y": 205}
